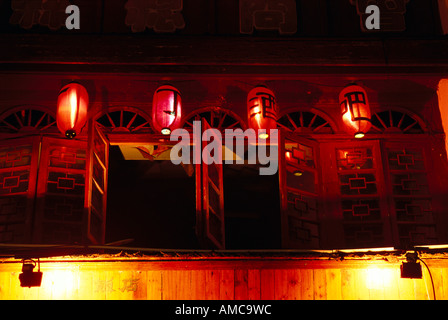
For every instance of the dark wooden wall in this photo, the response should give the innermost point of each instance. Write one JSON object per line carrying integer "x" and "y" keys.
{"x": 317, "y": 18}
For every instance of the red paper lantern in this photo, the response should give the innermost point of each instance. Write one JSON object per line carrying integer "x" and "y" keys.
{"x": 262, "y": 110}
{"x": 71, "y": 116}
{"x": 166, "y": 109}
{"x": 355, "y": 110}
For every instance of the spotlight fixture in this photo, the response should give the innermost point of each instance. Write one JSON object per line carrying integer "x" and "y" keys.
{"x": 411, "y": 269}
{"x": 29, "y": 278}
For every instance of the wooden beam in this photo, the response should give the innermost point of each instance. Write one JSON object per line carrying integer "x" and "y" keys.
{"x": 175, "y": 54}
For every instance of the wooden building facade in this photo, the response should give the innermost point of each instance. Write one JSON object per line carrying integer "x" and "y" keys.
{"x": 115, "y": 180}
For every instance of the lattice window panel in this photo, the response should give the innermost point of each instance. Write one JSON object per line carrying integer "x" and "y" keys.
{"x": 16, "y": 187}
{"x": 302, "y": 206}
{"x": 99, "y": 148}
{"x": 411, "y": 234}
{"x": 358, "y": 184}
{"x": 12, "y": 232}
{"x": 59, "y": 208}
{"x": 67, "y": 158}
{"x": 304, "y": 232}
{"x": 299, "y": 183}
{"x": 406, "y": 159}
{"x": 361, "y": 210}
{"x": 354, "y": 158}
{"x": 61, "y": 191}
{"x": 298, "y": 179}
{"x": 65, "y": 183}
{"x": 410, "y": 184}
{"x": 412, "y": 203}
{"x": 15, "y": 156}
{"x": 97, "y": 199}
{"x": 414, "y": 210}
{"x": 14, "y": 182}
{"x": 13, "y": 209}
{"x": 364, "y": 235}
{"x": 302, "y": 219}
{"x": 300, "y": 154}
{"x": 300, "y": 167}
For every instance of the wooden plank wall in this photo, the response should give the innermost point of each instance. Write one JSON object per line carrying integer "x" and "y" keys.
{"x": 224, "y": 280}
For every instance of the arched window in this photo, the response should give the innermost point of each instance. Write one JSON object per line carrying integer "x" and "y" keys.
{"x": 217, "y": 117}
{"x": 306, "y": 121}
{"x": 396, "y": 121}
{"x": 124, "y": 120}
{"x": 28, "y": 119}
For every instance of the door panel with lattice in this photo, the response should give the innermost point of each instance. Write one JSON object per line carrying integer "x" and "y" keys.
{"x": 18, "y": 168}
{"x": 210, "y": 227}
{"x": 410, "y": 192}
{"x": 97, "y": 180}
{"x": 300, "y": 191}
{"x": 357, "y": 211}
{"x": 61, "y": 187}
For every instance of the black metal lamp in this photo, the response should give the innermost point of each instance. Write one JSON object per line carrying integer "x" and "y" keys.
{"x": 411, "y": 269}
{"x": 29, "y": 278}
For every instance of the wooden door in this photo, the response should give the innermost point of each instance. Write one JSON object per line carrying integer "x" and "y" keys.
{"x": 357, "y": 212}
{"x": 96, "y": 195}
{"x": 71, "y": 190}
{"x": 18, "y": 173}
{"x": 210, "y": 226}
{"x": 416, "y": 200}
{"x": 61, "y": 188}
{"x": 300, "y": 192}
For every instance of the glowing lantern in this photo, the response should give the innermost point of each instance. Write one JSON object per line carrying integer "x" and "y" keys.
{"x": 262, "y": 110}
{"x": 355, "y": 110}
{"x": 73, "y": 102}
{"x": 166, "y": 109}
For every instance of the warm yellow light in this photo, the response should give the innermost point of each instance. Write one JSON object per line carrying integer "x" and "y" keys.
{"x": 166, "y": 131}
{"x": 443, "y": 103}
{"x": 73, "y": 107}
{"x": 359, "y": 135}
{"x": 298, "y": 173}
{"x": 263, "y": 136}
{"x": 379, "y": 278}
{"x": 61, "y": 283}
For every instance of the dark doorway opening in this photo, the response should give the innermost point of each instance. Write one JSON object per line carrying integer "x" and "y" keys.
{"x": 252, "y": 208}
{"x": 152, "y": 202}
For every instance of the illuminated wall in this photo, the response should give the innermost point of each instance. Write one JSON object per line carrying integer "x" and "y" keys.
{"x": 443, "y": 105}
{"x": 106, "y": 277}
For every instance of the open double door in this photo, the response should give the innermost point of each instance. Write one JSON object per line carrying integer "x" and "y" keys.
{"x": 299, "y": 189}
